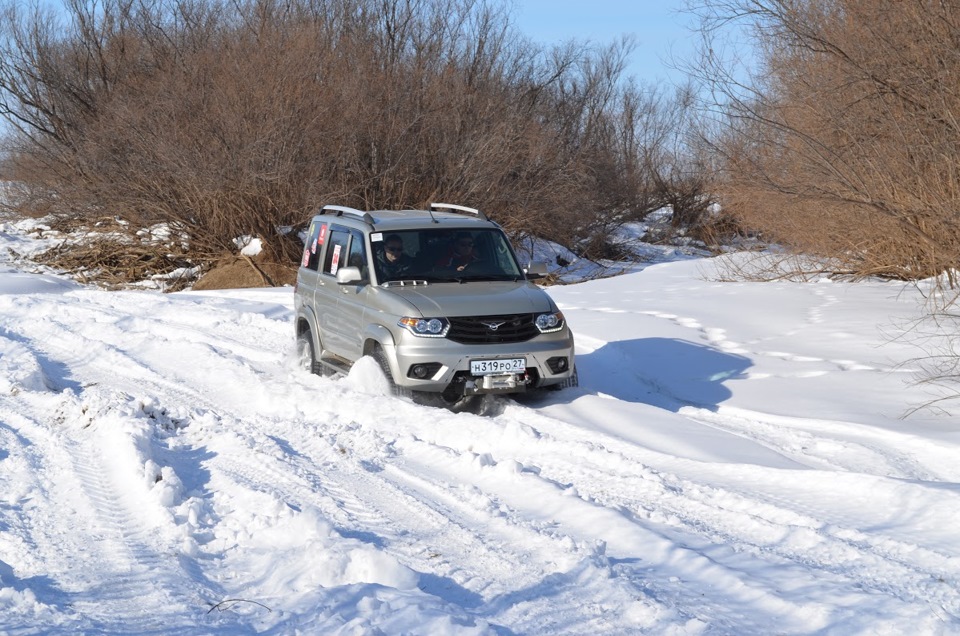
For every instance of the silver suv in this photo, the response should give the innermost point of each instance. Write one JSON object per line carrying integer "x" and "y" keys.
{"x": 436, "y": 297}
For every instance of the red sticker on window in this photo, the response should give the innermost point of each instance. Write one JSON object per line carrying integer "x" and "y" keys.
{"x": 335, "y": 264}
{"x": 323, "y": 234}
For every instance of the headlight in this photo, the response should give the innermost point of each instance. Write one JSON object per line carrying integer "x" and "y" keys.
{"x": 425, "y": 327}
{"x": 548, "y": 323}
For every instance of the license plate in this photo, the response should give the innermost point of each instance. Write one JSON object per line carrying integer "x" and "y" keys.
{"x": 492, "y": 367}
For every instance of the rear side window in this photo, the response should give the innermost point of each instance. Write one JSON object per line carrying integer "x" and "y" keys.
{"x": 336, "y": 255}
{"x": 314, "y": 245}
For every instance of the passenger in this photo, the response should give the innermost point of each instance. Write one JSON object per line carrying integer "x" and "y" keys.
{"x": 461, "y": 253}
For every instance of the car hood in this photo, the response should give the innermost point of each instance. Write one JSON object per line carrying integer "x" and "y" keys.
{"x": 475, "y": 299}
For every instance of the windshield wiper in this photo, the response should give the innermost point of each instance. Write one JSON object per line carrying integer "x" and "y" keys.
{"x": 498, "y": 277}
{"x": 447, "y": 279}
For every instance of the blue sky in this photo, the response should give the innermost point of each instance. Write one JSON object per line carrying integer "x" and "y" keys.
{"x": 660, "y": 28}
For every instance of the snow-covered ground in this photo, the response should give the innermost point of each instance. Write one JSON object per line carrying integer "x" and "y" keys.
{"x": 735, "y": 462}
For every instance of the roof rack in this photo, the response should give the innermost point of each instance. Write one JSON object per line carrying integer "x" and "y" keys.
{"x": 457, "y": 208}
{"x": 340, "y": 210}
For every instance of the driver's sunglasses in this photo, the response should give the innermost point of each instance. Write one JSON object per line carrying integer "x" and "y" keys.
{"x": 465, "y": 243}
{"x": 394, "y": 248}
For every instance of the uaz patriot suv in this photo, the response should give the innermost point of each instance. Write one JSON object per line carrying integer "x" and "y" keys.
{"x": 436, "y": 297}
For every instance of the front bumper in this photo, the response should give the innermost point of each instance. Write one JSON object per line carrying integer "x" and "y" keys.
{"x": 449, "y": 363}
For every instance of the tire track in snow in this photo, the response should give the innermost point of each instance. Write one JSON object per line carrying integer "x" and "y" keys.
{"x": 787, "y": 522}
{"x": 141, "y": 572}
{"x": 508, "y": 550}
{"x": 104, "y": 571}
{"x": 399, "y": 508}
{"x": 27, "y": 541}
{"x": 522, "y": 486}
{"x": 145, "y": 577}
{"x": 837, "y": 445}
{"x": 472, "y": 491}
{"x": 147, "y": 380}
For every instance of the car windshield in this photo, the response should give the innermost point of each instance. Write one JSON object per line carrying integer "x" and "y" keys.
{"x": 443, "y": 255}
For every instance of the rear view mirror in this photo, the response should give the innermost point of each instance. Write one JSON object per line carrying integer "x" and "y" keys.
{"x": 347, "y": 275}
{"x": 536, "y": 269}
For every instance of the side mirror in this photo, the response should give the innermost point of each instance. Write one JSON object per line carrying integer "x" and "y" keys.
{"x": 536, "y": 269}
{"x": 347, "y": 275}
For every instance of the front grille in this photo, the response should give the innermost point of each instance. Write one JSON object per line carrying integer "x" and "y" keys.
{"x": 477, "y": 329}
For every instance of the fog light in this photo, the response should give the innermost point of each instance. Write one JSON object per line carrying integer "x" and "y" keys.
{"x": 424, "y": 370}
{"x": 562, "y": 364}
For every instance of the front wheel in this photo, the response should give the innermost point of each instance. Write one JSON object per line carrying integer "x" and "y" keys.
{"x": 381, "y": 359}
{"x": 453, "y": 403}
{"x": 306, "y": 358}
{"x": 572, "y": 382}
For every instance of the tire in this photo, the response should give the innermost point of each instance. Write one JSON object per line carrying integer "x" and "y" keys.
{"x": 306, "y": 358}
{"x": 381, "y": 359}
{"x": 540, "y": 393}
{"x": 454, "y": 404}
{"x": 572, "y": 382}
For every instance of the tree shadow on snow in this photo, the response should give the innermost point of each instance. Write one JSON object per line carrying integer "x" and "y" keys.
{"x": 664, "y": 372}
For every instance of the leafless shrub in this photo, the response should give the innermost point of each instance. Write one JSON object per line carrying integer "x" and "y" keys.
{"x": 719, "y": 231}
{"x": 843, "y": 142}
{"x": 239, "y": 117}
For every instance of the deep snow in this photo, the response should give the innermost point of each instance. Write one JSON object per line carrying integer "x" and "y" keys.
{"x": 734, "y": 462}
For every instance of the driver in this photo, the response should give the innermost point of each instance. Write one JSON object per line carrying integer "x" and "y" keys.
{"x": 392, "y": 263}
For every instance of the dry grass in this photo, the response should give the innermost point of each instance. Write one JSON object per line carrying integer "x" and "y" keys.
{"x": 238, "y": 272}
{"x": 112, "y": 255}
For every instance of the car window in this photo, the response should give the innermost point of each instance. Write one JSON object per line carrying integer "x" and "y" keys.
{"x": 314, "y": 245}
{"x": 437, "y": 255}
{"x": 358, "y": 253}
{"x": 336, "y": 254}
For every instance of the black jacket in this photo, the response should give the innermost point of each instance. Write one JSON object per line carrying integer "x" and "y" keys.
{"x": 395, "y": 270}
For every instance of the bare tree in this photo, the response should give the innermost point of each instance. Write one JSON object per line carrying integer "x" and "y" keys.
{"x": 232, "y": 117}
{"x": 843, "y": 142}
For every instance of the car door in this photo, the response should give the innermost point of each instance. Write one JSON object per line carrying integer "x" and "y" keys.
{"x": 353, "y": 297}
{"x": 328, "y": 292}
{"x": 309, "y": 271}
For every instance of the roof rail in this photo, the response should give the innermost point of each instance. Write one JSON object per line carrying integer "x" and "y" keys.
{"x": 457, "y": 208}
{"x": 340, "y": 210}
